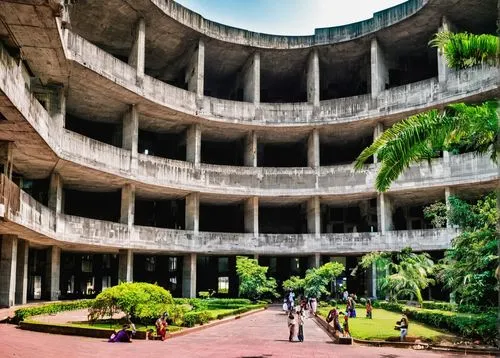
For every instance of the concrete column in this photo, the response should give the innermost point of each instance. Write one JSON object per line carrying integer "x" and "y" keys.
{"x": 193, "y": 144}
{"x": 189, "y": 276}
{"x": 56, "y": 192}
{"x": 126, "y": 266}
{"x": 251, "y": 79}
{"x": 8, "y": 265}
{"x": 6, "y": 157}
{"x": 130, "y": 133}
{"x": 443, "y": 69}
{"x": 384, "y": 213}
{"x": 195, "y": 72}
{"x": 314, "y": 261}
{"x": 22, "y": 272}
{"x": 58, "y": 108}
{"x": 137, "y": 55}
{"x": 192, "y": 219}
{"x": 373, "y": 278}
{"x": 313, "y": 216}
{"x": 448, "y": 191}
{"x": 313, "y": 78}
{"x": 53, "y": 273}
{"x": 250, "y": 155}
{"x": 127, "y": 209}
{"x": 313, "y": 159}
{"x": 377, "y": 132}
{"x": 379, "y": 70}
{"x": 251, "y": 215}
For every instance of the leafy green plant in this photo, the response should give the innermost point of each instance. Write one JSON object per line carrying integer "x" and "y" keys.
{"x": 318, "y": 279}
{"x": 293, "y": 283}
{"x": 436, "y": 213}
{"x": 193, "y": 318}
{"x": 50, "y": 308}
{"x": 254, "y": 283}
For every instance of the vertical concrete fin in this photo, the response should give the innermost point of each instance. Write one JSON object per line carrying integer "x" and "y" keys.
{"x": 56, "y": 192}
{"x": 250, "y": 155}
{"x": 195, "y": 72}
{"x": 192, "y": 218}
{"x": 251, "y": 79}
{"x": 189, "y": 276}
{"x": 313, "y": 149}
{"x": 313, "y": 84}
{"x": 127, "y": 208}
{"x": 193, "y": 144}
{"x": 379, "y": 70}
{"x": 251, "y": 215}
{"x": 8, "y": 266}
{"x": 138, "y": 52}
{"x": 313, "y": 216}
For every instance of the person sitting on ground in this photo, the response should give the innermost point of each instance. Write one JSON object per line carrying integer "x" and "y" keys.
{"x": 403, "y": 327}
{"x": 369, "y": 309}
{"x": 161, "y": 326}
{"x": 291, "y": 325}
{"x": 346, "y": 332}
{"x": 121, "y": 336}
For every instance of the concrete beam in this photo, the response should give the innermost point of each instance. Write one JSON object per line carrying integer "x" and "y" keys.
{"x": 8, "y": 265}
{"x": 125, "y": 266}
{"x": 250, "y": 155}
{"x": 251, "y": 215}
{"x": 137, "y": 55}
{"x": 195, "y": 72}
{"x": 56, "y": 192}
{"x": 384, "y": 213}
{"x": 22, "y": 272}
{"x": 443, "y": 69}
{"x": 313, "y": 87}
{"x": 313, "y": 216}
{"x": 377, "y": 132}
{"x": 127, "y": 208}
{"x": 192, "y": 219}
{"x": 189, "y": 276}
{"x": 53, "y": 273}
{"x": 251, "y": 79}
{"x": 379, "y": 70}
{"x": 313, "y": 149}
{"x": 193, "y": 144}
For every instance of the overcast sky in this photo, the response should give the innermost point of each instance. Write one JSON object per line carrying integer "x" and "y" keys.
{"x": 287, "y": 17}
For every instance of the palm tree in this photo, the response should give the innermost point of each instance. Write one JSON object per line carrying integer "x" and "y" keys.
{"x": 460, "y": 127}
{"x": 463, "y": 50}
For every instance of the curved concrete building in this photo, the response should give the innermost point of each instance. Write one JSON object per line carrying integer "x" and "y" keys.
{"x": 141, "y": 141}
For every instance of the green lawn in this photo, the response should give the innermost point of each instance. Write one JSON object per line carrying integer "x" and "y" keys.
{"x": 117, "y": 325}
{"x": 381, "y": 327}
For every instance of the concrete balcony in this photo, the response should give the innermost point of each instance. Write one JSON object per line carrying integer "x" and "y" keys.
{"x": 25, "y": 217}
{"x": 157, "y": 98}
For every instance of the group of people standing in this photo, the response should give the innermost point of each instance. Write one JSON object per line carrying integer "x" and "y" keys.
{"x": 296, "y": 317}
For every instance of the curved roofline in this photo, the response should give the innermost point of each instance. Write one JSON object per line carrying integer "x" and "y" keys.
{"x": 321, "y": 36}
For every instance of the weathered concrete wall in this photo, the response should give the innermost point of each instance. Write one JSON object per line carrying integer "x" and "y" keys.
{"x": 396, "y": 101}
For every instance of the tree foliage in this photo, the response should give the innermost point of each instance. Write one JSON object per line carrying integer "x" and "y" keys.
{"x": 436, "y": 214}
{"x": 293, "y": 283}
{"x": 316, "y": 281}
{"x": 469, "y": 267}
{"x": 254, "y": 283}
{"x": 460, "y": 127}
{"x": 408, "y": 273}
{"x": 463, "y": 50}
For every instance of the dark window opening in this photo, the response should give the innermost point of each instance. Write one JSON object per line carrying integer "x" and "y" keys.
{"x": 221, "y": 218}
{"x": 210, "y": 278}
{"x": 282, "y": 219}
{"x": 281, "y": 268}
{"x": 93, "y": 205}
{"x": 414, "y": 67}
{"x": 336, "y": 152}
{"x": 38, "y": 189}
{"x": 410, "y": 218}
{"x": 165, "y": 145}
{"x": 159, "y": 269}
{"x": 160, "y": 213}
{"x": 109, "y": 133}
{"x": 359, "y": 217}
{"x": 282, "y": 154}
{"x": 222, "y": 153}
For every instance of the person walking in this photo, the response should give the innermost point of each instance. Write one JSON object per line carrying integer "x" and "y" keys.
{"x": 300, "y": 322}
{"x": 291, "y": 321}
{"x": 403, "y": 327}
{"x": 369, "y": 309}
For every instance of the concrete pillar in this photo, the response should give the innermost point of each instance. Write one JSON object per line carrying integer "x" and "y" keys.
{"x": 22, "y": 272}
{"x": 448, "y": 191}
{"x": 377, "y": 132}
{"x": 195, "y": 72}
{"x": 130, "y": 133}
{"x": 137, "y": 55}
{"x": 251, "y": 79}
{"x": 58, "y": 108}
{"x": 126, "y": 266}
{"x": 6, "y": 158}
{"x": 56, "y": 192}
{"x": 379, "y": 70}
{"x": 193, "y": 144}
{"x": 189, "y": 276}
{"x": 313, "y": 216}
{"x": 127, "y": 209}
{"x": 384, "y": 213}
{"x": 314, "y": 261}
{"x": 313, "y": 159}
{"x": 53, "y": 273}
{"x": 192, "y": 219}
{"x": 251, "y": 215}
{"x": 250, "y": 155}
{"x": 8, "y": 265}
{"x": 443, "y": 69}
{"x": 313, "y": 78}
{"x": 372, "y": 277}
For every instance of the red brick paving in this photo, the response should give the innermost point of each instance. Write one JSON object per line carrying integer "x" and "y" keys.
{"x": 263, "y": 334}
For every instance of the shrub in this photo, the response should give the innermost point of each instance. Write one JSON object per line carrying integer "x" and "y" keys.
{"x": 362, "y": 300}
{"x": 50, "y": 308}
{"x": 139, "y": 300}
{"x": 443, "y": 306}
{"x": 333, "y": 303}
{"x": 192, "y": 318}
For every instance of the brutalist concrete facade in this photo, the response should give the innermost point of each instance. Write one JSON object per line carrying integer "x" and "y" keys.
{"x": 141, "y": 141}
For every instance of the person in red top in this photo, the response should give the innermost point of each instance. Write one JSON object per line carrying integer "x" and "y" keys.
{"x": 369, "y": 309}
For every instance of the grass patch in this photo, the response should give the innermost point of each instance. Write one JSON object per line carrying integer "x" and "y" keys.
{"x": 116, "y": 324}
{"x": 381, "y": 327}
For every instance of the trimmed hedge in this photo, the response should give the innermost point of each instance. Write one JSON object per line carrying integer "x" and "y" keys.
{"x": 476, "y": 326}
{"x": 193, "y": 317}
{"x": 51, "y": 308}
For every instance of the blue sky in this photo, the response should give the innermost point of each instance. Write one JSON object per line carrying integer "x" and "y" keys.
{"x": 287, "y": 17}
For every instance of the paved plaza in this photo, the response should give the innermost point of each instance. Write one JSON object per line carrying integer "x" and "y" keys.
{"x": 263, "y": 334}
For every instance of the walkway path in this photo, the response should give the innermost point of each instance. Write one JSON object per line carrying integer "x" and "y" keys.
{"x": 263, "y": 334}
